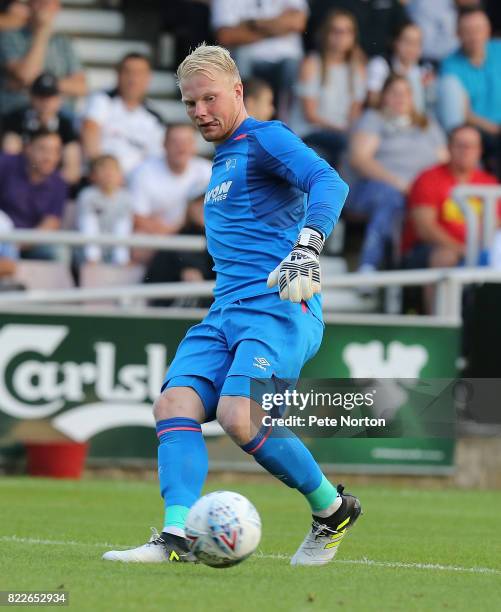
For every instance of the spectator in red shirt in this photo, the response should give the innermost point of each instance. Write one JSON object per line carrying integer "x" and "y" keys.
{"x": 435, "y": 232}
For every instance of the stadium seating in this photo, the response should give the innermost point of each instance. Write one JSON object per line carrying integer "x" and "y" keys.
{"x": 92, "y": 21}
{"x": 109, "y": 275}
{"x": 43, "y": 275}
{"x": 108, "y": 51}
{"x": 163, "y": 84}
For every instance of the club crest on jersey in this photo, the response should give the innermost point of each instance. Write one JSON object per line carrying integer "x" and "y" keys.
{"x": 218, "y": 193}
{"x": 230, "y": 163}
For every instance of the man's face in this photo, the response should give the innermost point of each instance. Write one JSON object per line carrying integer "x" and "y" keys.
{"x": 46, "y": 106}
{"x": 474, "y": 32}
{"x": 44, "y": 154}
{"x": 134, "y": 79}
{"x": 465, "y": 149}
{"x": 213, "y": 103}
{"x": 180, "y": 146}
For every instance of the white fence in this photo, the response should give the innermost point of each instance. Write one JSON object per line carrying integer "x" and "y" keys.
{"x": 448, "y": 282}
{"x": 75, "y": 239}
{"x": 479, "y": 239}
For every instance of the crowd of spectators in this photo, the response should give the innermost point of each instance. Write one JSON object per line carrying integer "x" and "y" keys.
{"x": 403, "y": 97}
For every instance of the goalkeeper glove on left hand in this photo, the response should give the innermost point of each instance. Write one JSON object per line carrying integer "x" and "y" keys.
{"x": 298, "y": 275}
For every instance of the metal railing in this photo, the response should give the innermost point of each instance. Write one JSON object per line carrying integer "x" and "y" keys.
{"x": 71, "y": 238}
{"x": 478, "y": 242}
{"x": 449, "y": 283}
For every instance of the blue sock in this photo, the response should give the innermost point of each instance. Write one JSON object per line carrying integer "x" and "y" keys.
{"x": 286, "y": 457}
{"x": 182, "y": 468}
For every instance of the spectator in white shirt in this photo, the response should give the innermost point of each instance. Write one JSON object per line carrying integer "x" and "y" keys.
{"x": 177, "y": 266}
{"x": 120, "y": 122}
{"x": 265, "y": 38}
{"x": 105, "y": 208}
{"x": 162, "y": 186}
{"x": 331, "y": 88}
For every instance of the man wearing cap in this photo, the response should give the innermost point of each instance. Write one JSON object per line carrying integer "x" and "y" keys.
{"x": 44, "y": 112}
{"x": 28, "y": 51}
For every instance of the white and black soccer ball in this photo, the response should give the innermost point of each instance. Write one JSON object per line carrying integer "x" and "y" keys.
{"x": 223, "y": 528}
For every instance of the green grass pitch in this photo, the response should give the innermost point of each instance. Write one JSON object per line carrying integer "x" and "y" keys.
{"x": 412, "y": 549}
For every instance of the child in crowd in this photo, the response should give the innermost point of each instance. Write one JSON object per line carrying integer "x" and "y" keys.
{"x": 105, "y": 208}
{"x": 258, "y": 99}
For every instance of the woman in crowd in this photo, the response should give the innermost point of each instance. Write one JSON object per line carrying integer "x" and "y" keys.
{"x": 389, "y": 147}
{"x": 404, "y": 61}
{"x": 331, "y": 87}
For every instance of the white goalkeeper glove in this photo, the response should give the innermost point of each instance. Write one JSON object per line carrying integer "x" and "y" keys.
{"x": 298, "y": 275}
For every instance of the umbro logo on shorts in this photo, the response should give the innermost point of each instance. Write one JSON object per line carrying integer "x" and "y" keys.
{"x": 261, "y": 363}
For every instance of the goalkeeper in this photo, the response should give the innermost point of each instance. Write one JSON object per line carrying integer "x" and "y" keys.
{"x": 269, "y": 207}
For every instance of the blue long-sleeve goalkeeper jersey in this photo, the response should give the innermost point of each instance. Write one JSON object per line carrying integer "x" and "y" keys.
{"x": 266, "y": 185}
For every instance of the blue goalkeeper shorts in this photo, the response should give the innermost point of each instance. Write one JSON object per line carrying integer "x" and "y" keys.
{"x": 261, "y": 337}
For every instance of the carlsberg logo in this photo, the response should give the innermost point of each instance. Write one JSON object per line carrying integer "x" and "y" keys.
{"x": 41, "y": 386}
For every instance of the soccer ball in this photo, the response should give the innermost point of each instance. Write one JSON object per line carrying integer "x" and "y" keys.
{"x": 222, "y": 529}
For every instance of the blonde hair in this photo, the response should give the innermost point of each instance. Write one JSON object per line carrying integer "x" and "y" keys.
{"x": 208, "y": 58}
